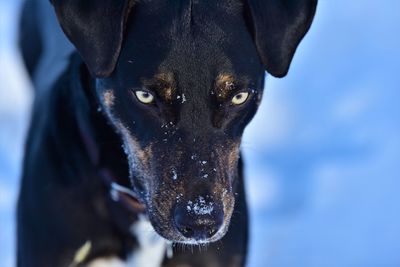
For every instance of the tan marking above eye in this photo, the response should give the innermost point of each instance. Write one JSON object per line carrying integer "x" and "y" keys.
{"x": 144, "y": 96}
{"x": 163, "y": 84}
{"x": 224, "y": 84}
{"x": 168, "y": 94}
{"x": 224, "y": 79}
{"x": 240, "y": 98}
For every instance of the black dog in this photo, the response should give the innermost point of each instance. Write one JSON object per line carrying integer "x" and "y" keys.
{"x": 144, "y": 126}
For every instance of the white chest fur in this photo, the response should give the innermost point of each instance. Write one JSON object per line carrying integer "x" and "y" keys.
{"x": 150, "y": 253}
{"x": 152, "y": 247}
{"x": 107, "y": 262}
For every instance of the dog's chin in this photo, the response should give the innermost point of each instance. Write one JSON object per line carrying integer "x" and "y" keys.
{"x": 167, "y": 232}
{"x": 218, "y": 236}
{"x": 179, "y": 239}
{"x": 173, "y": 236}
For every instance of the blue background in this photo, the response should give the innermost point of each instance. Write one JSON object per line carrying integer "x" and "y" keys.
{"x": 322, "y": 155}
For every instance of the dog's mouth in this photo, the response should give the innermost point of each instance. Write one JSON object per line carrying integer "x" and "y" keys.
{"x": 127, "y": 197}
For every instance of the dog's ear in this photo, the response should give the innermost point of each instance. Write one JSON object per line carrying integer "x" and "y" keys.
{"x": 96, "y": 29}
{"x": 278, "y": 27}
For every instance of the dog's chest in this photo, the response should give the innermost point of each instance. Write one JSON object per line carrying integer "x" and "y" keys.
{"x": 152, "y": 247}
{"x": 150, "y": 252}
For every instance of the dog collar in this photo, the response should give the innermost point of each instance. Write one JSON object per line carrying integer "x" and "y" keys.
{"x": 118, "y": 192}
{"x": 122, "y": 194}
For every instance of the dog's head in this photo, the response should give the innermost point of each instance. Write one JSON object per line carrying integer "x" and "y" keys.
{"x": 179, "y": 81}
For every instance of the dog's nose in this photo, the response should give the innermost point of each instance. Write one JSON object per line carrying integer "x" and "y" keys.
{"x": 198, "y": 220}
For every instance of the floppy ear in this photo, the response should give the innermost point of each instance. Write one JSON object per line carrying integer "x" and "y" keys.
{"x": 278, "y": 27}
{"x": 96, "y": 29}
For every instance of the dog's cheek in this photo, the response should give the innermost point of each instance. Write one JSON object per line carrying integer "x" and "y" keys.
{"x": 108, "y": 99}
{"x": 160, "y": 216}
{"x": 227, "y": 157}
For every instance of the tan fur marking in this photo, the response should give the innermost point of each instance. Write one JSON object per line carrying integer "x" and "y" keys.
{"x": 143, "y": 155}
{"x": 166, "y": 80}
{"x": 164, "y": 84}
{"x": 223, "y": 84}
{"x": 233, "y": 156}
{"x": 228, "y": 156}
{"x": 165, "y": 77}
{"x": 138, "y": 158}
{"x": 168, "y": 94}
{"x": 108, "y": 98}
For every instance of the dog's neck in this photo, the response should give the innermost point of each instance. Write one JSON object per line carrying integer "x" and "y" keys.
{"x": 100, "y": 143}
{"x": 103, "y": 149}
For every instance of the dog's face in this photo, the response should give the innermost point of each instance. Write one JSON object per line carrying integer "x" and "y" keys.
{"x": 182, "y": 92}
{"x": 187, "y": 79}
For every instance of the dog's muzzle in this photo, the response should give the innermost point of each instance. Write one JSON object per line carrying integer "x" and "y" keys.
{"x": 199, "y": 219}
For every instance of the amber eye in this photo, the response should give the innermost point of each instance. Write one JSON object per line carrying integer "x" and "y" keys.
{"x": 240, "y": 98}
{"x": 144, "y": 96}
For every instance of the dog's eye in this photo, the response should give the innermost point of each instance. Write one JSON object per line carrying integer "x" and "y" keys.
{"x": 240, "y": 98}
{"x": 144, "y": 97}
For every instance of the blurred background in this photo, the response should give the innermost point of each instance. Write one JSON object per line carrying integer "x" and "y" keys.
{"x": 322, "y": 154}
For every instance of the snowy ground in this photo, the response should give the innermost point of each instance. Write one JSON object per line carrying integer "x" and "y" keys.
{"x": 322, "y": 154}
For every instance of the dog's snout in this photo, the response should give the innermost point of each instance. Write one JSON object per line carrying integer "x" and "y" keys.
{"x": 198, "y": 220}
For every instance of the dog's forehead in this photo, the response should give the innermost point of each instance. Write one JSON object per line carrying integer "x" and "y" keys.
{"x": 191, "y": 38}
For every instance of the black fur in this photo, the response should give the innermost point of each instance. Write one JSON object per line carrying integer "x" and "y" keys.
{"x": 278, "y": 27}
{"x": 96, "y": 29}
{"x": 193, "y": 57}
